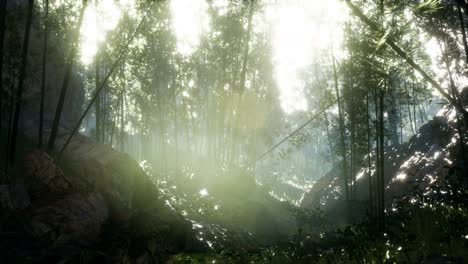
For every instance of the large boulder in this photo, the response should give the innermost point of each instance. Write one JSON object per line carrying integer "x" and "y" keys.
{"x": 95, "y": 196}
{"x": 75, "y": 217}
{"x": 60, "y": 210}
{"x": 43, "y": 177}
{"x": 119, "y": 178}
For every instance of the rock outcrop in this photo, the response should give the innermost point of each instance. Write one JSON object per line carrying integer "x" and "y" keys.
{"x": 94, "y": 194}
{"x": 432, "y": 156}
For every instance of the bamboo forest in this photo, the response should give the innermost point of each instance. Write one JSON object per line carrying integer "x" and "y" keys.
{"x": 234, "y": 131}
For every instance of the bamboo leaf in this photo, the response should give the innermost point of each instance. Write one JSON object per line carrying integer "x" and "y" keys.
{"x": 429, "y": 7}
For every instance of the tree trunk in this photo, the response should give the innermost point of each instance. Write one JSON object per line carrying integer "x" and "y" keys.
{"x": 10, "y": 122}
{"x": 381, "y": 160}
{"x": 377, "y": 155}
{"x": 414, "y": 110}
{"x": 462, "y": 25}
{"x": 122, "y": 123}
{"x": 22, "y": 76}
{"x": 400, "y": 113}
{"x": 353, "y": 157}
{"x": 104, "y": 113}
{"x": 116, "y": 119}
{"x": 421, "y": 113}
{"x": 44, "y": 72}
{"x": 369, "y": 151}
{"x": 98, "y": 100}
{"x": 66, "y": 79}
{"x": 176, "y": 125}
{"x": 409, "y": 110}
{"x": 2, "y": 41}
{"x": 393, "y": 116}
{"x": 97, "y": 79}
{"x": 342, "y": 132}
{"x": 162, "y": 140}
{"x": 332, "y": 154}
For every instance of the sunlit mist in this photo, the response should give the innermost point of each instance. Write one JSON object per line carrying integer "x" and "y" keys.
{"x": 300, "y": 30}
{"x": 98, "y": 20}
{"x": 189, "y": 21}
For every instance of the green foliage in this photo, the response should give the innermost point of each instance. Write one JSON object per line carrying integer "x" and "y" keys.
{"x": 424, "y": 224}
{"x": 415, "y": 230}
{"x": 428, "y": 7}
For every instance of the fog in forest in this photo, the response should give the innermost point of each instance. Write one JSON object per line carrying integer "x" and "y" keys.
{"x": 221, "y": 131}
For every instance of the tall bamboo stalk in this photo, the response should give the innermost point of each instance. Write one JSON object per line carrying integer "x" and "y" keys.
{"x": 22, "y": 76}
{"x": 3, "y": 13}
{"x": 44, "y": 72}
{"x": 66, "y": 79}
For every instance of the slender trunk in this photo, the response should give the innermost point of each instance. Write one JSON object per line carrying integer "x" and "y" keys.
{"x": 353, "y": 157}
{"x": 393, "y": 117}
{"x": 409, "y": 110}
{"x": 414, "y": 110}
{"x": 66, "y": 79}
{"x": 104, "y": 114}
{"x": 421, "y": 115}
{"x": 400, "y": 113}
{"x": 204, "y": 121}
{"x": 381, "y": 160}
{"x": 22, "y": 76}
{"x": 98, "y": 100}
{"x": 97, "y": 79}
{"x": 453, "y": 88}
{"x": 461, "y": 134}
{"x": 122, "y": 126}
{"x": 176, "y": 125}
{"x": 10, "y": 121}
{"x": 44, "y": 72}
{"x": 2, "y": 41}
{"x": 342, "y": 132}
{"x": 332, "y": 154}
{"x": 140, "y": 145}
{"x": 111, "y": 136}
{"x": 462, "y": 25}
{"x": 125, "y": 140}
{"x": 377, "y": 154}
{"x": 187, "y": 132}
{"x": 369, "y": 151}
{"x": 161, "y": 127}
{"x": 247, "y": 46}
{"x": 116, "y": 119}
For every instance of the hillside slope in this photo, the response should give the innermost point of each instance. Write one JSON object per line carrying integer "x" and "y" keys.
{"x": 433, "y": 156}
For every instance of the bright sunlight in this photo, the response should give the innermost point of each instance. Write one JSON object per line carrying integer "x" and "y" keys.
{"x": 301, "y": 29}
{"x": 99, "y": 19}
{"x": 189, "y": 21}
